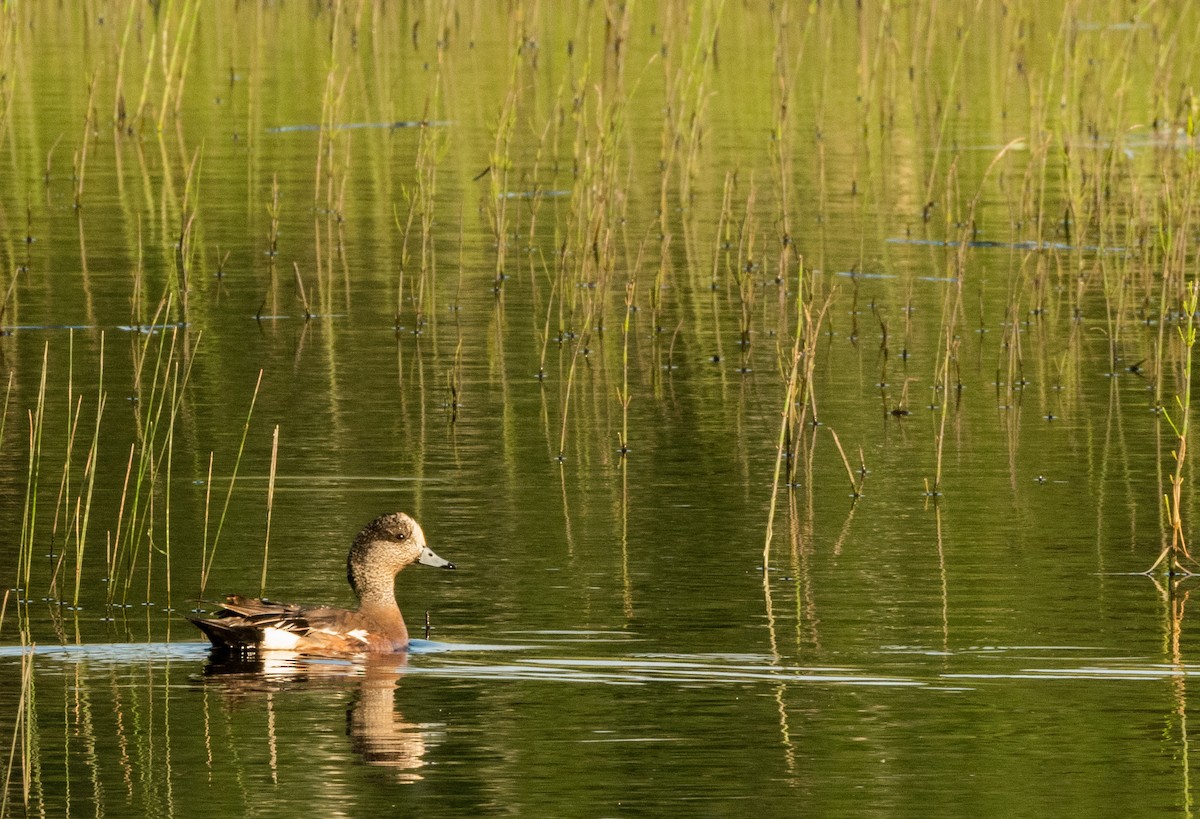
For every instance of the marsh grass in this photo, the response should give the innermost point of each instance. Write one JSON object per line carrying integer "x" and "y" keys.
{"x": 947, "y": 382}
{"x": 673, "y": 181}
{"x": 696, "y": 247}
{"x": 59, "y": 516}
{"x": 74, "y": 503}
{"x": 798, "y": 398}
{"x": 1176, "y": 556}
{"x": 432, "y": 146}
{"x": 36, "y": 417}
{"x": 419, "y": 210}
{"x": 159, "y": 396}
{"x": 208, "y": 549}
{"x": 648, "y": 205}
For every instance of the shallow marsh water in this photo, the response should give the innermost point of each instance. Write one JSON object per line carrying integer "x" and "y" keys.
{"x": 610, "y": 643}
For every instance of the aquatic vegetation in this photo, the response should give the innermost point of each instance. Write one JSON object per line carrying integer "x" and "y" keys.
{"x": 1077, "y": 208}
{"x": 646, "y": 284}
{"x": 1081, "y": 205}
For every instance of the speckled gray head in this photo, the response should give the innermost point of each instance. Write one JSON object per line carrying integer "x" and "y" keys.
{"x": 385, "y": 546}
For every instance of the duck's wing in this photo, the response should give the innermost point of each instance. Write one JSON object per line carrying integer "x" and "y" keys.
{"x": 240, "y": 622}
{"x": 258, "y": 610}
{"x": 247, "y": 623}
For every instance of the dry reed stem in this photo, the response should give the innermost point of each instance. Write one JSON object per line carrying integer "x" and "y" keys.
{"x": 803, "y": 347}
{"x": 855, "y": 485}
{"x": 1176, "y": 551}
{"x": 262, "y": 586}
{"x": 308, "y": 314}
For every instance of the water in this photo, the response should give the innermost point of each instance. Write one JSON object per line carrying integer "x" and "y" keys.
{"x": 610, "y": 643}
{"x": 596, "y": 722}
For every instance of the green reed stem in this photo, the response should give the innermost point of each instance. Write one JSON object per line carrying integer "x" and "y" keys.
{"x": 29, "y": 513}
{"x": 74, "y": 410}
{"x": 73, "y": 414}
{"x": 209, "y": 551}
{"x": 150, "y": 481}
{"x": 176, "y": 386}
{"x": 7, "y": 395}
{"x": 81, "y": 524}
{"x": 89, "y": 472}
{"x": 145, "y": 476}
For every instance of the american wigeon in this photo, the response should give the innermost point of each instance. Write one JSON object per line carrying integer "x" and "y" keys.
{"x": 384, "y": 547}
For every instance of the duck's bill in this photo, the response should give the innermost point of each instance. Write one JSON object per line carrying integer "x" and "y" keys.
{"x": 428, "y": 558}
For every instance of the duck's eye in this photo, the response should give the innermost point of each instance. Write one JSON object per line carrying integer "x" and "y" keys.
{"x": 401, "y": 536}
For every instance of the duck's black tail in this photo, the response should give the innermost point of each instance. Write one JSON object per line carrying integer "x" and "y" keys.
{"x": 227, "y": 635}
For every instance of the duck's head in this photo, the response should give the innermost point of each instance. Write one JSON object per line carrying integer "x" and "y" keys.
{"x": 385, "y": 546}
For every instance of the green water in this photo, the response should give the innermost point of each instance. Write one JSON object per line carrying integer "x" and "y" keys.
{"x": 438, "y": 313}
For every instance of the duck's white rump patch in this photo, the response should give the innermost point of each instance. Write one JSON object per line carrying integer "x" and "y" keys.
{"x": 277, "y": 639}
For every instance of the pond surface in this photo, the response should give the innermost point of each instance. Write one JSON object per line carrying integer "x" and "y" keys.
{"x": 797, "y": 391}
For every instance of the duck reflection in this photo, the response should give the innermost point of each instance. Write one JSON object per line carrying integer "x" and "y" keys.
{"x": 378, "y": 732}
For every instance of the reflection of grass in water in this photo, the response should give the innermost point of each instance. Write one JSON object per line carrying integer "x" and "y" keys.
{"x": 23, "y": 735}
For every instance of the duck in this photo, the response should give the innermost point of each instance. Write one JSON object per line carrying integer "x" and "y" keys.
{"x": 385, "y": 546}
